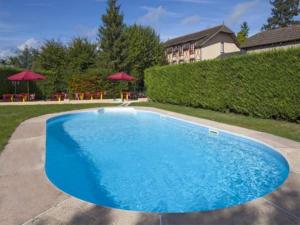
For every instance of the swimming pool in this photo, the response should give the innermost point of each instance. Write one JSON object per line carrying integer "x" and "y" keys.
{"x": 142, "y": 161}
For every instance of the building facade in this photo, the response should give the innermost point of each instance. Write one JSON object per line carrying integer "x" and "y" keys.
{"x": 203, "y": 45}
{"x": 281, "y": 38}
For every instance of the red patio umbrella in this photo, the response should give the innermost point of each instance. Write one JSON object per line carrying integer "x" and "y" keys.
{"x": 26, "y": 76}
{"x": 121, "y": 77}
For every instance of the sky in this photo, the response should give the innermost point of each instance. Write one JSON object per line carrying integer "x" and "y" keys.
{"x": 31, "y": 22}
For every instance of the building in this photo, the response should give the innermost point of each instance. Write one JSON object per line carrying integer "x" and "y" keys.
{"x": 203, "y": 45}
{"x": 285, "y": 37}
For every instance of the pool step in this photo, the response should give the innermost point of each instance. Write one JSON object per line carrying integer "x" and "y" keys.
{"x": 213, "y": 132}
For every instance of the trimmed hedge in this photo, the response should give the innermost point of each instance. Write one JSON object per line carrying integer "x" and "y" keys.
{"x": 42, "y": 89}
{"x": 265, "y": 85}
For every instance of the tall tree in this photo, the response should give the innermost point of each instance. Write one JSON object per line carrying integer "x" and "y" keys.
{"x": 81, "y": 55}
{"x": 144, "y": 50}
{"x": 283, "y": 14}
{"x": 111, "y": 38}
{"x": 53, "y": 57}
{"x": 25, "y": 58}
{"x": 243, "y": 33}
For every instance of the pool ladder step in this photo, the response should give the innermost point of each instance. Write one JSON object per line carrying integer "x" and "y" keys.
{"x": 213, "y": 132}
{"x": 125, "y": 104}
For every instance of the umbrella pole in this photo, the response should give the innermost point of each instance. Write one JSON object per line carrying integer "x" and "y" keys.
{"x": 28, "y": 87}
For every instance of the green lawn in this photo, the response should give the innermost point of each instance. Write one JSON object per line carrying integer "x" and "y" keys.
{"x": 12, "y": 116}
{"x": 279, "y": 128}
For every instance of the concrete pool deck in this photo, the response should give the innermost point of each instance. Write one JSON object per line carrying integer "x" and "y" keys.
{"x": 27, "y": 196}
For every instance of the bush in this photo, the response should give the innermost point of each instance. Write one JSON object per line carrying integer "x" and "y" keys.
{"x": 265, "y": 85}
{"x": 42, "y": 89}
{"x": 84, "y": 83}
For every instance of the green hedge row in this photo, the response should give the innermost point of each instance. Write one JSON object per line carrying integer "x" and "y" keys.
{"x": 42, "y": 89}
{"x": 265, "y": 85}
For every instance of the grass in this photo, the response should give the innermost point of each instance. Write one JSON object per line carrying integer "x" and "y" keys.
{"x": 279, "y": 128}
{"x": 12, "y": 116}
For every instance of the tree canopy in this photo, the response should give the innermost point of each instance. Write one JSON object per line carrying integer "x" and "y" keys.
{"x": 53, "y": 57}
{"x": 143, "y": 50}
{"x": 283, "y": 14}
{"x": 81, "y": 55}
{"x": 111, "y": 39}
{"x": 25, "y": 58}
{"x": 243, "y": 33}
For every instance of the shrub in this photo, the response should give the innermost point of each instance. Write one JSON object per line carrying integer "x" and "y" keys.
{"x": 265, "y": 85}
{"x": 84, "y": 83}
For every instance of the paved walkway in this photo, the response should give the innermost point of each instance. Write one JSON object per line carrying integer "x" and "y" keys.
{"x": 73, "y": 102}
{"x": 27, "y": 197}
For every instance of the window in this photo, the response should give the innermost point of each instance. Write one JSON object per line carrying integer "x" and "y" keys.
{"x": 181, "y": 51}
{"x": 192, "y": 48}
{"x": 222, "y": 48}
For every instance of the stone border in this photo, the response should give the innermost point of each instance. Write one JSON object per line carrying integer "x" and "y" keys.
{"x": 27, "y": 195}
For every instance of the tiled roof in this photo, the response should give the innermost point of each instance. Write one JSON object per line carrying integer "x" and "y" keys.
{"x": 200, "y": 37}
{"x": 269, "y": 37}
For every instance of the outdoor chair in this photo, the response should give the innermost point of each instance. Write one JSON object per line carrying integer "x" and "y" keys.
{"x": 21, "y": 97}
{"x": 58, "y": 97}
{"x": 88, "y": 96}
{"x": 133, "y": 96}
{"x": 8, "y": 97}
{"x": 32, "y": 97}
{"x": 99, "y": 95}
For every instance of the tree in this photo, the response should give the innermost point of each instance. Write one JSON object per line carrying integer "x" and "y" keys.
{"x": 111, "y": 38}
{"x": 25, "y": 58}
{"x": 283, "y": 14}
{"x": 144, "y": 50}
{"x": 53, "y": 57}
{"x": 243, "y": 33}
{"x": 81, "y": 55}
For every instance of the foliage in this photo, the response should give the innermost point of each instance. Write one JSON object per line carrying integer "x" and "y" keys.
{"x": 5, "y": 85}
{"x": 53, "y": 57}
{"x": 111, "y": 39}
{"x": 243, "y": 33}
{"x": 84, "y": 83}
{"x": 144, "y": 50}
{"x": 25, "y": 58}
{"x": 81, "y": 55}
{"x": 283, "y": 14}
{"x": 265, "y": 85}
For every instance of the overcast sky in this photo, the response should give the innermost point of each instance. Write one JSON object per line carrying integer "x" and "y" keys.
{"x": 30, "y": 22}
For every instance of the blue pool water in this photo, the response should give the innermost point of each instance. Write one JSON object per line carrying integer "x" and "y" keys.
{"x": 142, "y": 161}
